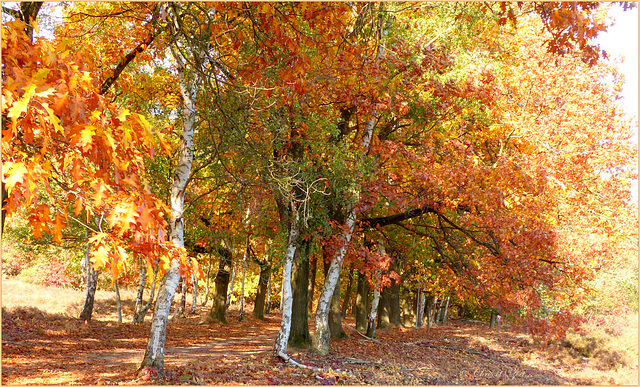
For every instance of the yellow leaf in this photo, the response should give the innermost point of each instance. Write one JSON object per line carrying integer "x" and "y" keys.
{"x": 99, "y": 257}
{"x": 123, "y": 115}
{"x": 20, "y": 106}
{"x": 15, "y": 173}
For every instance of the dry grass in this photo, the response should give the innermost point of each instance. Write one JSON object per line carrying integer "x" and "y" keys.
{"x": 65, "y": 301}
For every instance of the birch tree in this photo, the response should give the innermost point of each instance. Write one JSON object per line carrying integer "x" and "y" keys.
{"x": 154, "y": 354}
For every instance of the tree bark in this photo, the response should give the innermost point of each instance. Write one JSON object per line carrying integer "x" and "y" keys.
{"x": 233, "y": 280}
{"x": 139, "y": 314}
{"x": 244, "y": 272}
{"x": 179, "y": 312}
{"x": 140, "y": 294}
{"x": 154, "y": 355}
{"x": 430, "y": 310}
{"x": 299, "y": 336}
{"x": 335, "y": 314}
{"x": 362, "y": 302}
{"x": 91, "y": 282}
{"x": 395, "y": 318}
{"x": 445, "y": 313}
{"x": 267, "y": 308}
{"x": 218, "y": 312}
{"x": 194, "y": 298}
{"x": 286, "y": 303}
{"x": 371, "y": 323}
{"x": 263, "y": 281}
{"x": 383, "y": 309}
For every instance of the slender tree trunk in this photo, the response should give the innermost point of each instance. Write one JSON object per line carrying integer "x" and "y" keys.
{"x": 492, "y": 321}
{"x": 371, "y": 322}
{"x": 206, "y": 290}
{"x": 138, "y": 316}
{"x": 335, "y": 315}
{"x": 419, "y": 308}
{"x": 430, "y": 310}
{"x": 299, "y": 336}
{"x": 267, "y": 309}
{"x": 263, "y": 281}
{"x": 140, "y": 295}
{"x": 118, "y": 303}
{"x": 383, "y": 309}
{"x": 233, "y": 280}
{"x": 440, "y": 311}
{"x": 194, "y": 299}
{"x": 445, "y": 312}
{"x": 92, "y": 284}
{"x": 395, "y": 318}
{"x": 218, "y": 312}
{"x": 154, "y": 354}
{"x": 244, "y": 271}
{"x": 347, "y": 295}
{"x": 312, "y": 282}
{"x": 179, "y": 312}
{"x": 286, "y": 303}
{"x": 362, "y": 302}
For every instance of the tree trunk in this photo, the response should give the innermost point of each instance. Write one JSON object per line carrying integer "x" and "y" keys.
{"x": 322, "y": 333}
{"x": 312, "y": 282}
{"x": 440, "y": 312}
{"x": 118, "y": 303}
{"x": 194, "y": 299}
{"x": 419, "y": 308}
{"x": 383, "y": 309}
{"x": 335, "y": 315}
{"x": 263, "y": 281}
{"x": 154, "y": 355}
{"x": 244, "y": 272}
{"x": 347, "y": 295}
{"x": 92, "y": 284}
{"x": 179, "y": 312}
{"x": 395, "y": 318}
{"x": 218, "y": 312}
{"x": 445, "y": 312}
{"x": 362, "y": 302}
{"x": 140, "y": 295}
{"x": 430, "y": 310}
{"x": 492, "y": 321}
{"x": 206, "y": 290}
{"x": 286, "y": 303}
{"x": 267, "y": 308}
{"x": 233, "y": 280}
{"x": 371, "y": 323}
{"x": 299, "y": 336}
{"x": 138, "y": 316}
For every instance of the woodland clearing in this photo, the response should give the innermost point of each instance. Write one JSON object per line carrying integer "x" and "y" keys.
{"x": 43, "y": 342}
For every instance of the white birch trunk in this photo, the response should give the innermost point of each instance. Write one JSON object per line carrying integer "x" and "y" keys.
{"x": 322, "y": 334}
{"x": 286, "y": 303}
{"x": 154, "y": 355}
{"x": 194, "y": 299}
{"x": 373, "y": 314}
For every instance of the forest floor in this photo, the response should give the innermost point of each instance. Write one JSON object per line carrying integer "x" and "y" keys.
{"x": 44, "y": 343}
